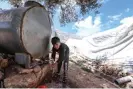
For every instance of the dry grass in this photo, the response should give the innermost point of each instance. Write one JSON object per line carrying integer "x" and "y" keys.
{"x": 98, "y": 64}
{"x": 112, "y": 70}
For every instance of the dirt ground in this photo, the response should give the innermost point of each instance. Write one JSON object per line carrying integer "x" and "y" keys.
{"x": 78, "y": 78}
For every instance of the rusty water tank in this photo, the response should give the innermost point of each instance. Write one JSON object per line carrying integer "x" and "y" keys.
{"x": 25, "y": 30}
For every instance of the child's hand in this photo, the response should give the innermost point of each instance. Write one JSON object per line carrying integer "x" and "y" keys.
{"x": 54, "y": 62}
{"x": 51, "y": 61}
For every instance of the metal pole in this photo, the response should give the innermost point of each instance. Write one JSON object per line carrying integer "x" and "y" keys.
{"x": 2, "y": 79}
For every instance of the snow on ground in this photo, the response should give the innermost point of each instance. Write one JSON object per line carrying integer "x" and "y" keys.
{"x": 116, "y": 44}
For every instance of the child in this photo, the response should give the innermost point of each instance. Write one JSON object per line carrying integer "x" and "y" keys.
{"x": 63, "y": 51}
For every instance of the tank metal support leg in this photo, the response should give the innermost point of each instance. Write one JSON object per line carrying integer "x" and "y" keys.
{"x": 23, "y": 59}
{"x": 2, "y": 74}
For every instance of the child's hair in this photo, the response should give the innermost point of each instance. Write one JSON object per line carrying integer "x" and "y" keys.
{"x": 55, "y": 40}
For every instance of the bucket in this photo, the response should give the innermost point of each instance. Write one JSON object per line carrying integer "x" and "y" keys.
{"x": 42, "y": 86}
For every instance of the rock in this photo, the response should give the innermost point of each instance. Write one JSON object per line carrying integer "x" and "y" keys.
{"x": 104, "y": 86}
{"x": 26, "y": 71}
{"x": 3, "y": 63}
{"x": 1, "y": 75}
{"x": 37, "y": 69}
{"x": 129, "y": 85}
{"x": 31, "y": 80}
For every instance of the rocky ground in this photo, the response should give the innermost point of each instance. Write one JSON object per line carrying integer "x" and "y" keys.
{"x": 77, "y": 78}
{"x": 31, "y": 80}
{"x": 80, "y": 75}
{"x": 85, "y": 79}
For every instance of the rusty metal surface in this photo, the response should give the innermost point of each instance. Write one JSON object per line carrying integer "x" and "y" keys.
{"x": 25, "y": 30}
{"x": 9, "y": 30}
{"x": 36, "y": 31}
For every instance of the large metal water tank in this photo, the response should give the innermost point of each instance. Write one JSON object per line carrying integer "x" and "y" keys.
{"x": 25, "y": 30}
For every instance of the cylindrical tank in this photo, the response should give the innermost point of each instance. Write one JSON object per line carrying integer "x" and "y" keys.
{"x": 25, "y": 30}
{"x": 124, "y": 80}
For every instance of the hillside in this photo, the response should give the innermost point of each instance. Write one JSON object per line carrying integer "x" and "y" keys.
{"x": 64, "y": 36}
{"x": 115, "y": 44}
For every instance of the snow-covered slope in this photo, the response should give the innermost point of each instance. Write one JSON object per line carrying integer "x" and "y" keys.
{"x": 116, "y": 44}
{"x": 64, "y": 36}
